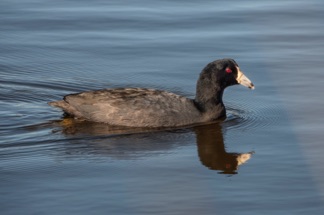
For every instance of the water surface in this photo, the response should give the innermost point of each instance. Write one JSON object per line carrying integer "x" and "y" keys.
{"x": 265, "y": 158}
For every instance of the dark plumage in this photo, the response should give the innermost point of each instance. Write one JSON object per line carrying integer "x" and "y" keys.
{"x": 140, "y": 107}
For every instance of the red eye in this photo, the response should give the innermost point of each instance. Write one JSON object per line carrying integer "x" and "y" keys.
{"x": 228, "y": 70}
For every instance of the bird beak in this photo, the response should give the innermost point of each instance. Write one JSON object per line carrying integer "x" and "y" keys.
{"x": 243, "y": 80}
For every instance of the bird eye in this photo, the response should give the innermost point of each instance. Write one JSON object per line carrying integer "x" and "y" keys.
{"x": 228, "y": 70}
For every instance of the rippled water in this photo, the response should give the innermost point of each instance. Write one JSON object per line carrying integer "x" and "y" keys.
{"x": 266, "y": 157}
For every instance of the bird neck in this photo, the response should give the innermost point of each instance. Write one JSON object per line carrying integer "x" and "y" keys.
{"x": 209, "y": 100}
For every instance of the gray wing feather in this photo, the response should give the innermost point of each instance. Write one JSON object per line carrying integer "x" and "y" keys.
{"x": 134, "y": 107}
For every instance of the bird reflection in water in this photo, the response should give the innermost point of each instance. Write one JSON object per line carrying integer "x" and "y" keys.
{"x": 212, "y": 153}
{"x": 209, "y": 139}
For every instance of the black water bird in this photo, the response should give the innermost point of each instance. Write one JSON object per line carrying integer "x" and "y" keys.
{"x": 141, "y": 107}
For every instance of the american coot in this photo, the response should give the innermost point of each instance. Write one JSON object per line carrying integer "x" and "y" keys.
{"x": 141, "y": 107}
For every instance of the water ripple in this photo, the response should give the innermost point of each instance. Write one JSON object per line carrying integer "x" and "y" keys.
{"x": 250, "y": 117}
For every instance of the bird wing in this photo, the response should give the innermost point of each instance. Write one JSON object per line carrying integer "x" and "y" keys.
{"x": 132, "y": 106}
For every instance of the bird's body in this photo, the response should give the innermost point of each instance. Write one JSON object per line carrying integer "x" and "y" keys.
{"x": 141, "y": 107}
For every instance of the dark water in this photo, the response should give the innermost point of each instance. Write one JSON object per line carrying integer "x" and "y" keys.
{"x": 265, "y": 158}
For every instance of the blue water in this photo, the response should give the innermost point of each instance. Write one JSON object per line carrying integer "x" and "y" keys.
{"x": 266, "y": 157}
